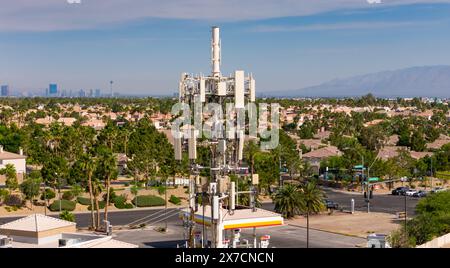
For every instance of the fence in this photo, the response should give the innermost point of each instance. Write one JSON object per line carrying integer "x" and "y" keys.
{"x": 437, "y": 242}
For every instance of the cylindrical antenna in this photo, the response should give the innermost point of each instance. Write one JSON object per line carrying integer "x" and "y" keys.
{"x": 215, "y": 51}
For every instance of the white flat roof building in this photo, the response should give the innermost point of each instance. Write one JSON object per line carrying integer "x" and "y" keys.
{"x": 40, "y": 231}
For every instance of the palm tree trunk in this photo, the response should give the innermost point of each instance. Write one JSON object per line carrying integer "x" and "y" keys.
{"x": 98, "y": 213}
{"x": 108, "y": 184}
{"x": 307, "y": 229}
{"x": 92, "y": 201}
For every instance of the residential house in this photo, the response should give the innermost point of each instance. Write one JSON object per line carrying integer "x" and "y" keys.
{"x": 315, "y": 157}
{"x": 439, "y": 142}
{"x": 17, "y": 160}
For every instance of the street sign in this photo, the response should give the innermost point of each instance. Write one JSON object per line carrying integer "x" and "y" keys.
{"x": 359, "y": 167}
{"x": 374, "y": 179}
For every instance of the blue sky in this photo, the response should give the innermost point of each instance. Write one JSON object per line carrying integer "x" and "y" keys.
{"x": 144, "y": 47}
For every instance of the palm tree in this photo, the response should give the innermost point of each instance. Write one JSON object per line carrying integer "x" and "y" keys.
{"x": 249, "y": 152}
{"x": 311, "y": 202}
{"x": 89, "y": 164}
{"x": 110, "y": 172}
{"x": 288, "y": 201}
{"x": 11, "y": 176}
{"x": 97, "y": 189}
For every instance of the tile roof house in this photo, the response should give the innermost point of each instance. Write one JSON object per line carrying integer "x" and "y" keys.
{"x": 392, "y": 140}
{"x": 315, "y": 157}
{"x": 322, "y": 135}
{"x": 312, "y": 144}
{"x": 419, "y": 155}
{"x": 388, "y": 152}
{"x": 439, "y": 142}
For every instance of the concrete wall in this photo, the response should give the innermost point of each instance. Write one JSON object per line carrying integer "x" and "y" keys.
{"x": 437, "y": 242}
{"x": 19, "y": 164}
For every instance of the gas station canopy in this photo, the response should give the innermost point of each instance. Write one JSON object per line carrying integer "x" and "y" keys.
{"x": 241, "y": 218}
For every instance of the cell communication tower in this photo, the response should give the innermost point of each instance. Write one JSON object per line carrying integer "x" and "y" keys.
{"x": 218, "y": 194}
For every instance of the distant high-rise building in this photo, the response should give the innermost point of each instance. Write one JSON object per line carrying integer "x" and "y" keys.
{"x": 53, "y": 89}
{"x": 98, "y": 93}
{"x": 5, "y": 91}
{"x": 82, "y": 93}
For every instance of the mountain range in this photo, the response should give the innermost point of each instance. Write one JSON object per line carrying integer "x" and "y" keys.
{"x": 423, "y": 81}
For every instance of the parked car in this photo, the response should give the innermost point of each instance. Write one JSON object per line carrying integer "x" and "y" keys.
{"x": 410, "y": 192}
{"x": 400, "y": 190}
{"x": 437, "y": 190}
{"x": 331, "y": 204}
{"x": 420, "y": 194}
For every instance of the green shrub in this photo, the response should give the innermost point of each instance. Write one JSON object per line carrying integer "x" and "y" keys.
{"x": 431, "y": 220}
{"x": 68, "y": 195}
{"x": 148, "y": 201}
{"x": 112, "y": 195}
{"x": 84, "y": 200}
{"x": 77, "y": 190}
{"x": 65, "y": 205}
{"x": 12, "y": 208}
{"x": 101, "y": 205}
{"x": 14, "y": 200}
{"x": 161, "y": 189}
{"x": 119, "y": 199}
{"x": 175, "y": 200}
{"x": 3, "y": 195}
{"x": 120, "y": 202}
{"x": 123, "y": 205}
{"x": 67, "y": 216}
{"x": 49, "y": 194}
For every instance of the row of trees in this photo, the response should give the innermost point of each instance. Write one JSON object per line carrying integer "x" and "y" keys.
{"x": 306, "y": 199}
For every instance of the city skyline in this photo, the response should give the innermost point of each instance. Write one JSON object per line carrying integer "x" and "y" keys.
{"x": 293, "y": 46}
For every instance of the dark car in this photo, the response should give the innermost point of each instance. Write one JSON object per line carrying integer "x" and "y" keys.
{"x": 420, "y": 194}
{"x": 331, "y": 204}
{"x": 400, "y": 190}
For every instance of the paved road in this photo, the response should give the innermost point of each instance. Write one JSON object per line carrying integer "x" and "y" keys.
{"x": 281, "y": 237}
{"x": 119, "y": 217}
{"x": 380, "y": 203}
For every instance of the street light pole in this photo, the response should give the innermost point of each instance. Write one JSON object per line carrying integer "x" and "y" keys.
{"x": 165, "y": 209}
{"x": 280, "y": 183}
{"x": 406, "y": 230}
{"x": 59, "y": 192}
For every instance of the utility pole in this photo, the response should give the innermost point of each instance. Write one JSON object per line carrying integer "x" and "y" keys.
{"x": 431, "y": 173}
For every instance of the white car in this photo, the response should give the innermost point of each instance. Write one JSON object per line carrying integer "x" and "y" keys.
{"x": 437, "y": 190}
{"x": 410, "y": 192}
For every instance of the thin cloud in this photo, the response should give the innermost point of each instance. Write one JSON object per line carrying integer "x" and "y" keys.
{"x": 52, "y": 15}
{"x": 339, "y": 26}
